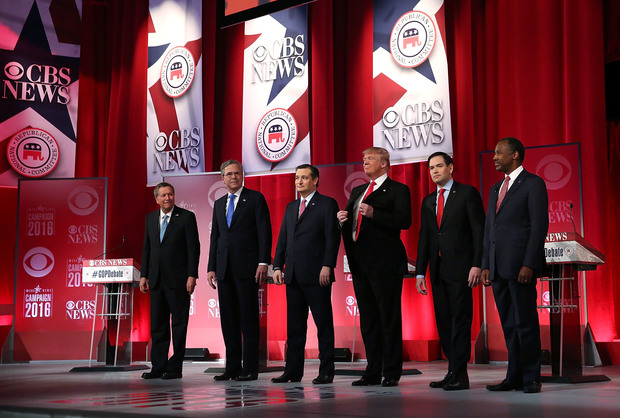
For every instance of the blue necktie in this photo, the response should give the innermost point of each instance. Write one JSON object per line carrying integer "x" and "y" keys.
{"x": 162, "y": 230}
{"x": 231, "y": 208}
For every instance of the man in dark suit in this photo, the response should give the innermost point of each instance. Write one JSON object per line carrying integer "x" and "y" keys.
{"x": 513, "y": 257}
{"x": 308, "y": 249}
{"x": 239, "y": 254}
{"x": 371, "y": 224}
{"x": 169, "y": 270}
{"x": 450, "y": 245}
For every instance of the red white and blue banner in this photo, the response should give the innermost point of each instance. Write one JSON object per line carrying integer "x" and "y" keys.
{"x": 39, "y": 64}
{"x": 175, "y": 130}
{"x": 276, "y": 134}
{"x": 410, "y": 79}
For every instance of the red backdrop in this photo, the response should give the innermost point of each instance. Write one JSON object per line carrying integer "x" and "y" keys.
{"x": 530, "y": 69}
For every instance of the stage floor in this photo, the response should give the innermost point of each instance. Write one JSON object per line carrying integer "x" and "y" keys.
{"x": 49, "y": 389}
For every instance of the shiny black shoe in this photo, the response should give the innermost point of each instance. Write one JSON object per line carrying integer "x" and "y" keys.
{"x": 457, "y": 382}
{"x": 532, "y": 387}
{"x": 323, "y": 379}
{"x": 224, "y": 376}
{"x": 441, "y": 383}
{"x": 504, "y": 386}
{"x": 285, "y": 378}
{"x": 365, "y": 381}
{"x": 246, "y": 377}
{"x": 389, "y": 382}
{"x": 151, "y": 375}
{"x": 171, "y": 375}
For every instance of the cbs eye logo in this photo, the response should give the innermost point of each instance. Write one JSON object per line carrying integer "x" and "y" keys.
{"x": 357, "y": 178}
{"x": 38, "y": 262}
{"x": 216, "y": 191}
{"x": 83, "y": 200}
{"x": 350, "y": 300}
{"x": 556, "y": 170}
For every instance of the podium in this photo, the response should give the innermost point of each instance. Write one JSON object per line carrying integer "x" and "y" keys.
{"x": 567, "y": 254}
{"x": 114, "y": 279}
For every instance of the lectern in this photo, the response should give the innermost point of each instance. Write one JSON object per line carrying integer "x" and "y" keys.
{"x": 567, "y": 254}
{"x": 114, "y": 308}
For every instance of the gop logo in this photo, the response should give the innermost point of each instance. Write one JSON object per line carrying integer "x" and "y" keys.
{"x": 177, "y": 71}
{"x": 33, "y": 153}
{"x": 216, "y": 191}
{"x": 83, "y": 200}
{"x": 412, "y": 39}
{"x": 38, "y": 261}
{"x": 357, "y": 178}
{"x": 276, "y": 135}
{"x": 556, "y": 170}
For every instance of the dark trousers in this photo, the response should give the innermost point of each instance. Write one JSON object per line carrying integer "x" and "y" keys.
{"x": 379, "y": 302}
{"x": 453, "y": 304}
{"x": 238, "y": 299}
{"x": 298, "y": 298}
{"x": 166, "y": 304}
{"x": 516, "y": 305}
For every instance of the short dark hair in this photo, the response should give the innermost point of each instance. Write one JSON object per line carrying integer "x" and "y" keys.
{"x": 159, "y": 186}
{"x": 314, "y": 172}
{"x": 515, "y": 146}
{"x": 447, "y": 159}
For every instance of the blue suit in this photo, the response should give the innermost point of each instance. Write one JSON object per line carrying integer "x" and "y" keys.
{"x": 514, "y": 236}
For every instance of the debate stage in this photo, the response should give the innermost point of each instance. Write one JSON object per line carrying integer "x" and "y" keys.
{"x": 45, "y": 389}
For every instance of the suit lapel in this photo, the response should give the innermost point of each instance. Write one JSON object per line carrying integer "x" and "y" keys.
{"x": 309, "y": 207}
{"x": 513, "y": 189}
{"x": 171, "y": 222}
{"x": 241, "y": 205}
{"x": 452, "y": 196}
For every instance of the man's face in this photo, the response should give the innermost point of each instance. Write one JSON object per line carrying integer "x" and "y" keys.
{"x": 373, "y": 167}
{"x": 165, "y": 199}
{"x": 504, "y": 159}
{"x": 439, "y": 171}
{"x": 304, "y": 182}
{"x": 233, "y": 177}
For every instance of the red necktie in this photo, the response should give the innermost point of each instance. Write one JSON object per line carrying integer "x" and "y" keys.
{"x": 359, "y": 215}
{"x": 440, "y": 204}
{"x": 502, "y": 193}
{"x": 302, "y": 207}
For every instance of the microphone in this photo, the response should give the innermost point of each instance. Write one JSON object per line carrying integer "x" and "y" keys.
{"x": 112, "y": 249}
{"x": 571, "y": 217}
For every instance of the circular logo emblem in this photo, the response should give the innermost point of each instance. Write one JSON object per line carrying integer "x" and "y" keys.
{"x": 70, "y": 305}
{"x": 212, "y": 303}
{"x": 33, "y": 153}
{"x": 412, "y": 39}
{"x": 216, "y": 191}
{"x": 556, "y": 170}
{"x": 83, "y": 200}
{"x": 276, "y": 135}
{"x": 14, "y": 70}
{"x": 38, "y": 261}
{"x": 357, "y": 178}
{"x": 177, "y": 71}
{"x": 350, "y": 300}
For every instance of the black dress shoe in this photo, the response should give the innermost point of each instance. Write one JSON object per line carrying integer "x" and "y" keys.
{"x": 532, "y": 387}
{"x": 441, "y": 383}
{"x": 389, "y": 382}
{"x": 151, "y": 375}
{"x": 285, "y": 378}
{"x": 457, "y": 382}
{"x": 504, "y": 386}
{"x": 366, "y": 381}
{"x": 171, "y": 375}
{"x": 224, "y": 376}
{"x": 246, "y": 377}
{"x": 323, "y": 379}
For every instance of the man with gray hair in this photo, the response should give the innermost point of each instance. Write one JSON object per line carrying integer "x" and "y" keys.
{"x": 239, "y": 254}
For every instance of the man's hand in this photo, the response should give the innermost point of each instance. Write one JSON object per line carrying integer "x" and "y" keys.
{"x": 211, "y": 279}
{"x": 277, "y": 277}
{"x": 325, "y": 276}
{"x": 191, "y": 284}
{"x": 342, "y": 216}
{"x": 525, "y": 275}
{"x": 261, "y": 274}
{"x": 366, "y": 210}
{"x": 485, "y": 278}
{"x": 475, "y": 274}
{"x": 420, "y": 284}
{"x": 144, "y": 285}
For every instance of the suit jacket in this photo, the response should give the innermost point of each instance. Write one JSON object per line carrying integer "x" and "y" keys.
{"x": 176, "y": 258}
{"x": 378, "y": 245}
{"x": 458, "y": 238}
{"x": 307, "y": 244}
{"x": 515, "y": 235}
{"x": 246, "y": 243}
